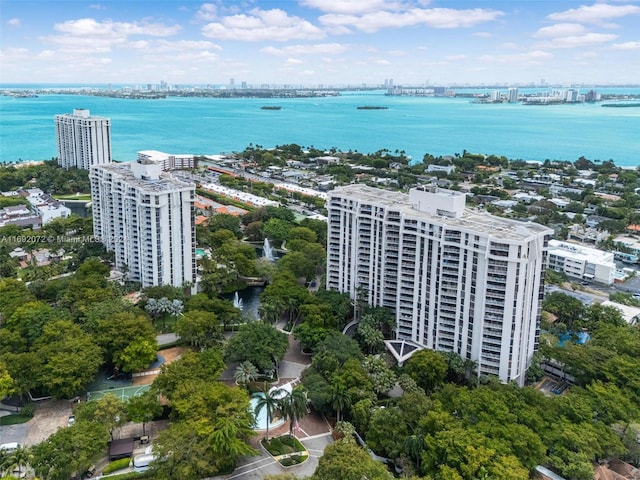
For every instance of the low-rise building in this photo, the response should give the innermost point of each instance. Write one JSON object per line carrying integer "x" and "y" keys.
{"x": 448, "y": 169}
{"x": 587, "y": 235}
{"x": 47, "y": 207}
{"x": 169, "y": 161}
{"x": 580, "y": 262}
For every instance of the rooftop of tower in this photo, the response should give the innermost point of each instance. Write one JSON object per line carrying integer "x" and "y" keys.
{"x": 164, "y": 182}
{"x": 471, "y": 219}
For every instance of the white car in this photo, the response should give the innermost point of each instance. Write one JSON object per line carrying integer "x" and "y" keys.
{"x": 9, "y": 447}
{"x": 71, "y": 420}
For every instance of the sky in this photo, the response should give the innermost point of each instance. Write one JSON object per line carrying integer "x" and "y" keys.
{"x": 313, "y": 42}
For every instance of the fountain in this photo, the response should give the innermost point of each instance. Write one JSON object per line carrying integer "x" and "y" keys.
{"x": 237, "y": 301}
{"x": 267, "y": 250}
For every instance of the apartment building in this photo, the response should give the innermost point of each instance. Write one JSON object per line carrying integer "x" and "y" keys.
{"x": 146, "y": 217}
{"x": 456, "y": 279}
{"x": 581, "y": 262}
{"x": 83, "y": 140}
{"x": 169, "y": 161}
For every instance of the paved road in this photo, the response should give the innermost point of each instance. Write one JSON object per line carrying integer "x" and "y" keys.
{"x": 255, "y": 468}
{"x": 50, "y": 415}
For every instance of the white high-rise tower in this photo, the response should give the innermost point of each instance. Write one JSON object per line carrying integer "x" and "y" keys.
{"x": 145, "y": 216}
{"x": 457, "y": 280}
{"x": 83, "y": 140}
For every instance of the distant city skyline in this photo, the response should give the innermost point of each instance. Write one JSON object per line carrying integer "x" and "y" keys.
{"x": 320, "y": 42}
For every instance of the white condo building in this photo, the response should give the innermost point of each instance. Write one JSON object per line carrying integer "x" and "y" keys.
{"x": 584, "y": 263}
{"x": 83, "y": 140}
{"x": 145, "y": 216}
{"x": 456, "y": 279}
{"x": 169, "y": 161}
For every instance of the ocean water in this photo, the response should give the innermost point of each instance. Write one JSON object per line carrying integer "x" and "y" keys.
{"x": 439, "y": 126}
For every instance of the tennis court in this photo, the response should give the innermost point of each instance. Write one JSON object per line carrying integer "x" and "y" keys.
{"x": 124, "y": 393}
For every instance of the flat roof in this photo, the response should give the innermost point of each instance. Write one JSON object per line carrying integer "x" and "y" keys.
{"x": 165, "y": 183}
{"x": 580, "y": 252}
{"x": 471, "y": 219}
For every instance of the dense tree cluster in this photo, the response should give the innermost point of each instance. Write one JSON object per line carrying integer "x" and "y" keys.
{"x": 54, "y": 340}
{"x": 49, "y": 177}
{"x": 211, "y": 418}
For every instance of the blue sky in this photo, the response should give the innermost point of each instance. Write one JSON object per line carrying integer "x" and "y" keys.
{"x": 310, "y": 42}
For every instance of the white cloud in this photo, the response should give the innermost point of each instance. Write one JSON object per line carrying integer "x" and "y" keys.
{"x": 597, "y": 13}
{"x": 89, "y": 27}
{"x": 87, "y": 35}
{"x": 307, "y": 73}
{"x": 382, "y": 61}
{"x": 560, "y": 30}
{"x": 574, "y": 41}
{"x": 293, "y": 61}
{"x": 46, "y": 54}
{"x": 585, "y": 55}
{"x": 535, "y": 57}
{"x": 351, "y": 7}
{"x": 97, "y": 6}
{"x": 10, "y": 53}
{"x": 456, "y": 57}
{"x": 207, "y": 12}
{"x": 626, "y": 46}
{"x": 434, "y": 17}
{"x": 482, "y": 34}
{"x": 312, "y": 49}
{"x": 262, "y": 25}
{"x": 186, "y": 45}
{"x": 14, "y": 22}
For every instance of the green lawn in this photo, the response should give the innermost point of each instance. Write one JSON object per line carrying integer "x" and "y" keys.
{"x": 14, "y": 419}
{"x": 81, "y": 196}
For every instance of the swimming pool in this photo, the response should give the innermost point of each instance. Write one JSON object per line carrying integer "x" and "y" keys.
{"x": 261, "y": 417}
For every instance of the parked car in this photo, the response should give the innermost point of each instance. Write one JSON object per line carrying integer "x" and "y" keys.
{"x": 9, "y": 447}
{"x": 71, "y": 420}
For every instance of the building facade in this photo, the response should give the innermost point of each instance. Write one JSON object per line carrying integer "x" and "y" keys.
{"x": 146, "y": 217}
{"x": 169, "y": 161}
{"x": 583, "y": 263}
{"x": 83, "y": 140}
{"x": 458, "y": 281}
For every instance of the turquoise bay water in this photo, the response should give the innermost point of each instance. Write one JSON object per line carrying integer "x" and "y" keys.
{"x": 440, "y": 126}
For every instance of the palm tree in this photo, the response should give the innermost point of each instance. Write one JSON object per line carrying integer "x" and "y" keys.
{"x": 413, "y": 445}
{"x": 268, "y": 312}
{"x": 19, "y": 459}
{"x": 245, "y": 372}
{"x": 339, "y": 399}
{"x": 270, "y": 402}
{"x": 294, "y": 406}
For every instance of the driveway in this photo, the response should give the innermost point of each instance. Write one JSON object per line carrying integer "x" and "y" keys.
{"x": 255, "y": 468}
{"x": 50, "y": 415}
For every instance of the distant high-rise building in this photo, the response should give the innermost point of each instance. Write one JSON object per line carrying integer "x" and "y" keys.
{"x": 592, "y": 96}
{"x": 512, "y": 95}
{"x": 244, "y": 85}
{"x": 571, "y": 95}
{"x": 457, "y": 280}
{"x": 145, "y": 216}
{"x": 83, "y": 140}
